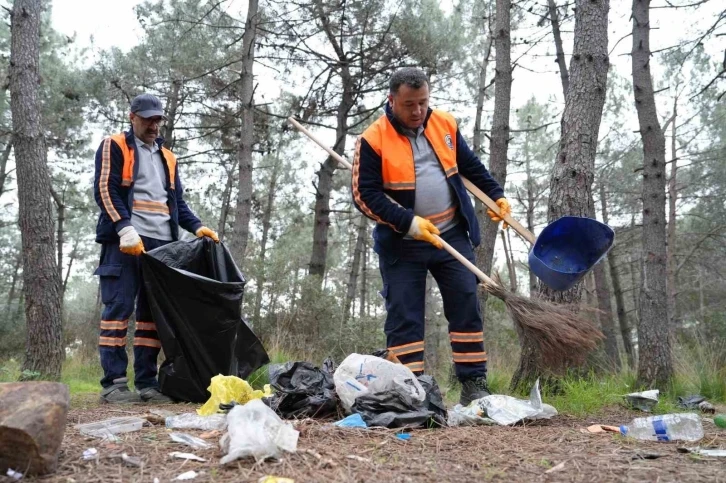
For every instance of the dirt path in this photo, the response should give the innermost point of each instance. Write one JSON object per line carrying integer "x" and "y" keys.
{"x": 330, "y": 454}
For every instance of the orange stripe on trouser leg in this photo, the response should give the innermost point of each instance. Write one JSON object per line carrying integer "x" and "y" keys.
{"x": 417, "y": 366}
{"x": 112, "y": 341}
{"x": 146, "y": 342}
{"x": 469, "y": 356}
{"x": 114, "y": 324}
{"x": 145, "y": 326}
{"x": 404, "y": 349}
{"x": 466, "y": 337}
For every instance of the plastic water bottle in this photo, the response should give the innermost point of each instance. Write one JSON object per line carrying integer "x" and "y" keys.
{"x": 668, "y": 427}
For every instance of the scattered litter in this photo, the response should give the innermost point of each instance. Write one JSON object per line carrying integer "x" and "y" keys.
{"x": 392, "y": 409}
{"x": 647, "y": 456}
{"x": 275, "y": 479}
{"x": 720, "y": 453}
{"x": 129, "y": 460}
{"x": 434, "y": 401}
{"x": 668, "y": 427}
{"x": 322, "y": 463}
{"x": 211, "y": 434}
{"x": 707, "y": 407}
{"x": 501, "y": 409}
{"x": 359, "y": 458}
{"x": 720, "y": 421}
{"x": 15, "y": 475}
{"x": 303, "y": 390}
{"x": 690, "y": 402}
{"x": 189, "y": 475}
{"x": 162, "y": 413}
{"x": 109, "y": 428}
{"x": 352, "y": 421}
{"x": 90, "y": 454}
{"x": 186, "y": 456}
{"x": 255, "y": 430}
{"x": 229, "y": 390}
{"x": 404, "y": 436}
{"x": 364, "y": 374}
{"x": 557, "y": 467}
{"x": 156, "y": 480}
{"x": 645, "y": 400}
{"x": 189, "y": 440}
{"x": 158, "y": 416}
{"x": 600, "y": 428}
{"x": 195, "y": 421}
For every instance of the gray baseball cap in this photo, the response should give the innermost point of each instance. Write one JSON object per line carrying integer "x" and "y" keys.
{"x": 147, "y": 105}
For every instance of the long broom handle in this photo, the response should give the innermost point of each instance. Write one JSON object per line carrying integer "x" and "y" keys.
{"x": 481, "y": 275}
{"x": 517, "y": 226}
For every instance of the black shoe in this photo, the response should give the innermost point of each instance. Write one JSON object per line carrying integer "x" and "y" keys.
{"x": 472, "y": 389}
{"x": 152, "y": 395}
{"x": 119, "y": 393}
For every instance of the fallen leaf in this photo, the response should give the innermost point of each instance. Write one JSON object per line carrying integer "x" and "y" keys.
{"x": 557, "y": 467}
{"x": 601, "y": 428}
{"x": 211, "y": 434}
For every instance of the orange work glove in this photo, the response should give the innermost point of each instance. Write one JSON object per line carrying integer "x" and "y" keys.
{"x": 504, "y": 208}
{"x": 204, "y": 231}
{"x": 130, "y": 242}
{"x": 422, "y": 229}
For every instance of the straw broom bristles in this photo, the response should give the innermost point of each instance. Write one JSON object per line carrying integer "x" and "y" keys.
{"x": 561, "y": 335}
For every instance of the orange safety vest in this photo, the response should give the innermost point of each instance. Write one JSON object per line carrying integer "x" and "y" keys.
{"x": 396, "y": 153}
{"x": 127, "y": 173}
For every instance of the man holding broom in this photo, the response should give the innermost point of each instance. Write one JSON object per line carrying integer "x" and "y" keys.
{"x": 406, "y": 178}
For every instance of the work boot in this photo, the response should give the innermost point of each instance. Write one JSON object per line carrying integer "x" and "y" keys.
{"x": 152, "y": 395}
{"x": 472, "y": 389}
{"x": 119, "y": 393}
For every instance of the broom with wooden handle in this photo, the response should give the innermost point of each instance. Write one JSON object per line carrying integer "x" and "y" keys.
{"x": 561, "y": 335}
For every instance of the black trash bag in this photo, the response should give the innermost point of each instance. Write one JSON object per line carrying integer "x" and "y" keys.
{"x": 690, "y": 402}
{"x": 391, "y": 410}
{"x": 195, "y": 293}
{"x": 434, "y": 402}
{"x": 302, "y": 390}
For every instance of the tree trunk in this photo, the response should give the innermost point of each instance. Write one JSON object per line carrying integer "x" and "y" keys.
{"x": 510, "y": 261}
{"x": 671, "y": 266}
{"x": 573, "y": 171}
{"x": 625, "y": 331}
{"x": 266, "y": 225}
{"x": 554, "y": 19}
{"x": 61, "y": 211}
{"x": 226, "y": 200}
{"x": 364, "y": 279}
{"x": 352, "y": 284}
{"x": 432, "y": 332}
{"x": 655, "y": 368}
{"x": 13, "y": 283}
{"x": 602, "y": 289}
{"x": 247, "y": 135}
{"x": 172, "y": 108}
{"x": 72, "y": 257}
{"x": 531, "y": 206}
{"x": 4, "y": 166}
{"x": 41, "y": 282}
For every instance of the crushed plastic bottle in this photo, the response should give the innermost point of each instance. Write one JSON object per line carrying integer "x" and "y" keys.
{"x": 195, "y": 421}
{"x": 668, "y": 427}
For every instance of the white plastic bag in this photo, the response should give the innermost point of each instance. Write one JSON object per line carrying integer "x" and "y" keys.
{"x": 255, "y": 430}
{"x": 361, "y": 374}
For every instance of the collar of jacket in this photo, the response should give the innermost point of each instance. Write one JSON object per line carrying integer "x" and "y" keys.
{"x": 130, "y": 141}
{"x": 397, "y": 124}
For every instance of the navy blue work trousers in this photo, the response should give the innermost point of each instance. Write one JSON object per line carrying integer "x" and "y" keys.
{"x": 404, "y": 289}
{"x": 122, "y": 291}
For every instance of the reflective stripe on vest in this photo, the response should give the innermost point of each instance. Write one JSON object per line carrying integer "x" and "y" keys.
{"x": 397, "y": 161}
{"x": 127, "y": 173}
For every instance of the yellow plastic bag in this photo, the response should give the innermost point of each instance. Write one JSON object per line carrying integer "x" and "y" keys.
{"x": 225, "y": 389}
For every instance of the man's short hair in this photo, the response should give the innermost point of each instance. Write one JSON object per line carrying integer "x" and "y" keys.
{"x": 411, "y": 76}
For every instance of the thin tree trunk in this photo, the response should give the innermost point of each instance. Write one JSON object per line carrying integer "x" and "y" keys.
{"x": 4, "y": 165}
{"x": 555, "y": 21}
{"x": 226, "y": 201}
{"x": 655, "y": 368}
{"x": 602, "y": 289}
{"x": 635, "y": 269}
{"x": 352, "y": 284}
{"x": 72, "y": 257}
{"x": 625, "y": 331}
{"x": 531, "y": 205}
{"x": 61, "y": 211}
{"x": 672, "y": 271}
{"x": 573, "y": 171}
{"x": 41, "y": 281}
{"x": 499, "y": 143}
{"x": 510, "y": 262}
{"x": 266, "y": 225}
{"x": 247, "y": 135}
{"x": 364, "y": 279}
{"x": 432, "y": 332}
{"x": 14, "y": 281}
{"x": 171, "y": 114}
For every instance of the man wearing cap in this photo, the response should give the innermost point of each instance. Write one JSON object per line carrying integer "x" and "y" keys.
{"x": 138, "y": 189}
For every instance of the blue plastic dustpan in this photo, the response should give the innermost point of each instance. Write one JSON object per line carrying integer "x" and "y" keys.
{"x": 567, "y": 249}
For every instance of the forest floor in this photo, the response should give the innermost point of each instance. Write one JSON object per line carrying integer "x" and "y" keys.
{"x": 553, "y": 450}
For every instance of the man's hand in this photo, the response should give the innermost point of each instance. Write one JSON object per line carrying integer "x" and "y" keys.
{"x": 422, "y": 229}
{"x": 504, "y": 208}
{"x": 204, "y": 231}
{"x": 130, "y": 242}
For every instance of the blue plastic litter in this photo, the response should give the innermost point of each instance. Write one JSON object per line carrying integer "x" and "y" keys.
{"x": 567, "y": 249}
{"x": 352, "y": 421}
{"x": 404, "y": 436}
